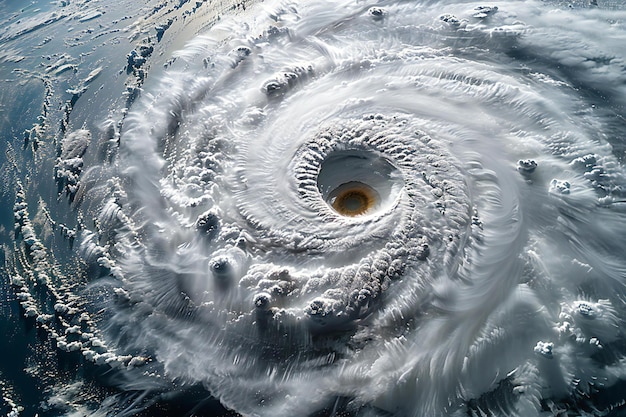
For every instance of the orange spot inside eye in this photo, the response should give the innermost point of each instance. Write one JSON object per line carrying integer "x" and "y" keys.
{"x": 353, "y": 199}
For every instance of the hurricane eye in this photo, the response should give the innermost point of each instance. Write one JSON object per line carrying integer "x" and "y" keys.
{"x": 353, "y": 199}
{"x": 357, "y": 183}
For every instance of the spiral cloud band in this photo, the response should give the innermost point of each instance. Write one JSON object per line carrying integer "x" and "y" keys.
{"x": 400, "y": 208}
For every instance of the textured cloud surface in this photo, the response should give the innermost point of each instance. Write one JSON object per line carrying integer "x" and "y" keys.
{"x": 404, "y": 208}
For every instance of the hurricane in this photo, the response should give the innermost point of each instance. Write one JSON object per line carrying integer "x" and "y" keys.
{"x": 314, "y": 208}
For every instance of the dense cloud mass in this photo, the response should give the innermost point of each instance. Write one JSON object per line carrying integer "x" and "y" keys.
{"x": 315, "y": 208}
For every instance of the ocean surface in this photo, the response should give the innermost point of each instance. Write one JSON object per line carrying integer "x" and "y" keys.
{"x": 313, "y": 208}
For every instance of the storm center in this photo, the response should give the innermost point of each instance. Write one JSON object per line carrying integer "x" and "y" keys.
{"x": 358, "y": 182}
